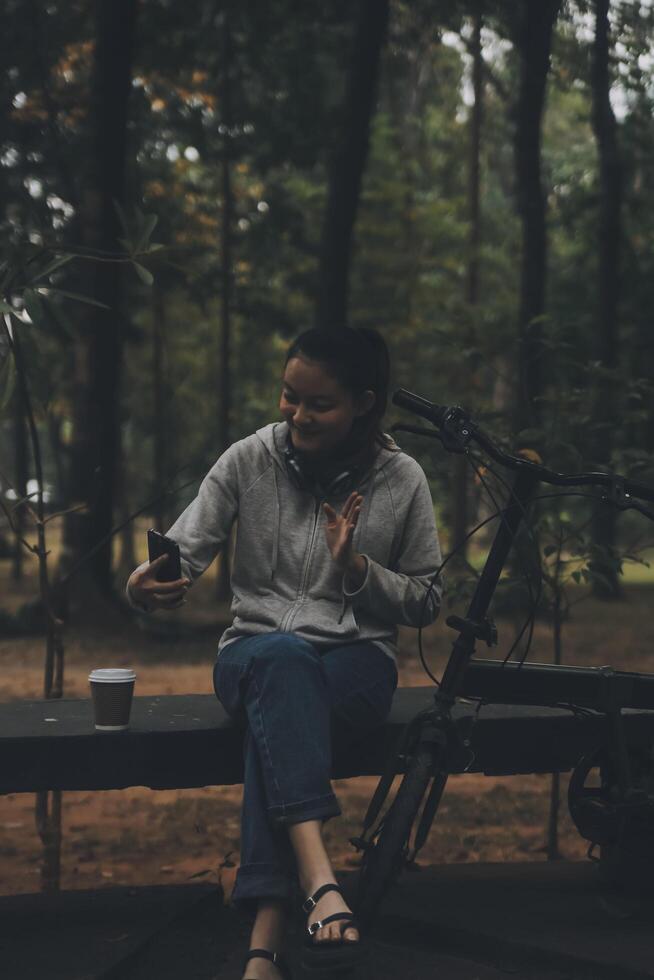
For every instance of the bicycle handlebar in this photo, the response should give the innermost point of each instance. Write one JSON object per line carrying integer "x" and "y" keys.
{"x": 457, "y": 429}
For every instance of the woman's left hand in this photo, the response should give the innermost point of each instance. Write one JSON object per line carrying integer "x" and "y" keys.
{"x": 340, "y": 528}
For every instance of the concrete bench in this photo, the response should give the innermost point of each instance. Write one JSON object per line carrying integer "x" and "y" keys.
{"x": 184, "y": 741}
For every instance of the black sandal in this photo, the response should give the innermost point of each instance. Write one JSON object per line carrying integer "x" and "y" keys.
{"x": 332, "y": 954}
{"x": 275, "y": 958}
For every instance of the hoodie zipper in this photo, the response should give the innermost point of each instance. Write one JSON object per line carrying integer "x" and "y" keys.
{"x": 286, "y": 621}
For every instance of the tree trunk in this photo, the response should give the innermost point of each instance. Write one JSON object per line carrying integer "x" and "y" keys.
{"x": 223, "y": 578}
{"x": 534, "y": 39}
{"x": 96, "y": 439}
{"x": 127, "y": 552}
{"x": 475, "y": 155}
{"x": 160, "y": 466}
{"x": 461, "y": 465}
{"x": 552, "y": 847}
{"x": 20, "y": 481}
{"x": 47, "y": 814}
{"x": 36, "y": 23}
{"x": 608, "y": 289}
{"x": 348, "y": 164}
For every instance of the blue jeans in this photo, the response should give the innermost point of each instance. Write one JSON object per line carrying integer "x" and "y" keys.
{"x": 299, "y": 705}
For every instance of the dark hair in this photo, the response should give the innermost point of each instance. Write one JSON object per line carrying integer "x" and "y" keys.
{"x": 358, "y": 359}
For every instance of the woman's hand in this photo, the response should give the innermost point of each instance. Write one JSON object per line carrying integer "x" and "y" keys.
{"x": 146, "y": 591}
{"x": 340, "y": 528}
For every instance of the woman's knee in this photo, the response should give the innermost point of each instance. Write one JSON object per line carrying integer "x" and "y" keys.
{"x": 260, "y": 656}
{"x": 281, "y": 647}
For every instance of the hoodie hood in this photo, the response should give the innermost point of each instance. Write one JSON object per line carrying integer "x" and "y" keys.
{"x": 275, "y": 437}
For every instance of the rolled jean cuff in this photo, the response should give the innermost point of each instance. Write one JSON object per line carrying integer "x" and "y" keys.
{"x": 257, "y": 881}
{"x": 320, "y": 808}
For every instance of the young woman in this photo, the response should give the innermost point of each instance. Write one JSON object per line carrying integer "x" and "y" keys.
{"x": 336, "y": 546}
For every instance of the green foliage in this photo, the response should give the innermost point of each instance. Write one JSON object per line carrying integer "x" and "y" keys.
{"x": 276, "y": 122}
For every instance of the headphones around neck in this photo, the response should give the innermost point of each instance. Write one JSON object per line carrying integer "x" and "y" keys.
{"x": 320, "y": 485}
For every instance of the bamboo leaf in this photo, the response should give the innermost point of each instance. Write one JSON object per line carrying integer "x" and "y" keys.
{"x": 149, "y": 224}
{"x": 80, "y": 298}
{"x": 24, "y": 500}
{"x": 55, "y": 264}
{"x": 637, "y": 560}
{"x": 34, "y": 307}
{"x": 144, "y": 274}
{"x": 82, "y": 508}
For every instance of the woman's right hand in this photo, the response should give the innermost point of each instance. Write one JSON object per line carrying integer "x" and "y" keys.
{"x": 147, "y": 591}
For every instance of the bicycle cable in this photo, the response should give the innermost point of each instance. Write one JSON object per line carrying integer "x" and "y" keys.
{"x": 464, "y": 540}
{"x": 499, "y": 512}
{"x": 531, "y": 616}
{"x": 481, "y": 700}
{"x": 533, "y": 601}
{"x": 530, "y": 620}
{"x": 434, "y": 578}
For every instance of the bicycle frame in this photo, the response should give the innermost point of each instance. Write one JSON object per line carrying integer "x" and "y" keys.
{"x": 474, "y": 626}
{"x": 430, "y": 752}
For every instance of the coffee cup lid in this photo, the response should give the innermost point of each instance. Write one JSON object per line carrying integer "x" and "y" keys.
{"x": 112, "y": 675}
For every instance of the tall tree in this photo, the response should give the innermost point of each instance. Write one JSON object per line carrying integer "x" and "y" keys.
{"x": 533, "y": 27}
{"x": 606, "y": 339}
{"x": 96, "y": 441}
{"x": 160, "y": 462}
{"x": 348, "y": 163}
{"x": 461, "y": 465}
{"x": 223, "y": 585}
{"x": 21, "y": 474}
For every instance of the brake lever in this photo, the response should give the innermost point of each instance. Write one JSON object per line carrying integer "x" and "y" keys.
{"x": 615, "y": 494}
{"x": 417, "y": 430}
{"x": 639, "y": 507}
{"x": 454, "y": 434}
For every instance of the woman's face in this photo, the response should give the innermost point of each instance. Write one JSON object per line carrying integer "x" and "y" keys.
{"x": 319, "y": 411}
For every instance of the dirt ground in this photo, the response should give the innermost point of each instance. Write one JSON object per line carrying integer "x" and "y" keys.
{"x": 140, "y": 836}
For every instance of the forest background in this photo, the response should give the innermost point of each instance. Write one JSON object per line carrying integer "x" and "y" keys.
{"x": 186, "y": 187}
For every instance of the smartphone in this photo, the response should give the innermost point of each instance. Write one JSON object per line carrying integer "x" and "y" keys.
{"x": 159, "y": 544}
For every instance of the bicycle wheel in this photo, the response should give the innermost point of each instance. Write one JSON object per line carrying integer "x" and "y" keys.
{"x": 384, "y": 860}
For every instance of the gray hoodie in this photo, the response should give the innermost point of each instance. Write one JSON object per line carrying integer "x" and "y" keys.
{"x": 284, "y": 578}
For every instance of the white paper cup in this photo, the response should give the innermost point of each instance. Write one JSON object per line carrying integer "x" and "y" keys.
{"x": 112, "y": 689}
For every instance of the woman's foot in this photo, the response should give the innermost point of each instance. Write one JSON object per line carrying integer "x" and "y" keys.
{"x": 267, "y": 934}
{"x": 328, "y": 904}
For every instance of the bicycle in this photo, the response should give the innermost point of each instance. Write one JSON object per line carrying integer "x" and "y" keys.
{"x": 430, "y": 741}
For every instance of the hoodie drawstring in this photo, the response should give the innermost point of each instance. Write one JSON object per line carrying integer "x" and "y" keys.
{"x": 360, "y": 531}
{"x": 276, "y": 523}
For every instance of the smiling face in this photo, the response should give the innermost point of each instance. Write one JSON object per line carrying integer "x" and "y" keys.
{"x": 318, "y": 409}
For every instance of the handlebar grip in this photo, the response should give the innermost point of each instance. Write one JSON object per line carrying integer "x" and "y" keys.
{"x": 420, "y": 406}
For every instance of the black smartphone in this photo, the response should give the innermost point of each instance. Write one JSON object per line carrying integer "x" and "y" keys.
{"x": 159, "y": 544}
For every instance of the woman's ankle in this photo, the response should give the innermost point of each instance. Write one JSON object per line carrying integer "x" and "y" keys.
{"x": 316, "y": 877}
{"x": 313, "y": 864}
{"x": 269, "y": 924}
